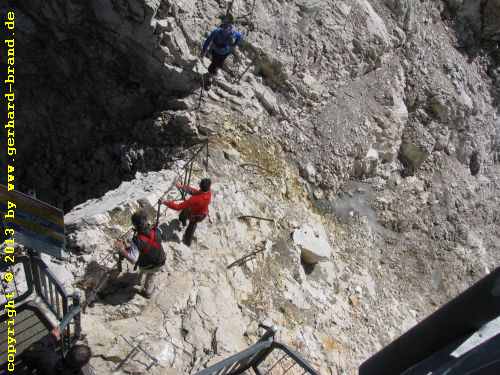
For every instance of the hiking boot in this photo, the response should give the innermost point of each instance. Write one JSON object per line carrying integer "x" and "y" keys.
{"x": 149, "y": 285}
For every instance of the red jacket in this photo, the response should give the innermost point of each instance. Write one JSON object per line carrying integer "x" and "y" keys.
{"x": 197, "y": 203}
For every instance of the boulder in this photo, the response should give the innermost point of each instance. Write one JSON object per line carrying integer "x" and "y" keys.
{"x": 368, "y": 165}
{"x": 232, "y": 154}
{"x": 417, "y": 145}
{"x": 313, "y": 243}
{"x": 412, "y": 156}
{"x": 89, "y": 240}
{"x": 375, "y": 26}
{"x": 311, "y": 88}
{"x": 308, "y": 172}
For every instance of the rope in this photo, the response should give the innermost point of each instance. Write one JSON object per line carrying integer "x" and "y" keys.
{"x": 202, "y": 89}
{"x": 206, "y": 161}
{"x": 188, "y": 167}
{"x": 197, "y": 116}
{"x": 242, "y": 74}
{"x": 187, "y": 177}
{"x": 188, "y": 170}
{"x": 247, "y": 17}
{"x": 229, "y": 8}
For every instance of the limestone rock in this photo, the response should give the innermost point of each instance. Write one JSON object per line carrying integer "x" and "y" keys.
{"x": 312, "y": 88}
{"x": 313, "y": 243}
{"x": 267, "y": 98}
{"x": 89, "y": 240}
{"x": 412, "y": 156}
{"x": 308, "y": 171}
{"x": 232, "y": 154}
{"x": 332, "y": 93}
{"x": 367, "y": 166}
{"x": 182, "y": 252}
{"x": 102, "y": 339}
{"x": 131, "y": 64}
{"x": 375, "y": 25}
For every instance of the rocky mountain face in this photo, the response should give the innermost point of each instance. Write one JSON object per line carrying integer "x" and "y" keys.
{"x": 363, "y": 135}
{"x": 99, "y": 95}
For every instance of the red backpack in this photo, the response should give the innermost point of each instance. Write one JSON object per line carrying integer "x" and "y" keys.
{"x": 150, "y": 249}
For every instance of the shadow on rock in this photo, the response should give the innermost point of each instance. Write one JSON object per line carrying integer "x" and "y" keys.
{"x": 108, "y": 286}
{"x": 119, "y": 290}
{"x": 170, "y": 231}
{"x": 308, "y": 268}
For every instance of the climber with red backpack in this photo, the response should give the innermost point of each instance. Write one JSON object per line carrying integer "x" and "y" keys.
{"x": 221, "y": 43}
{"x": 194, "y": 209}
{"x": 145, "y": 251}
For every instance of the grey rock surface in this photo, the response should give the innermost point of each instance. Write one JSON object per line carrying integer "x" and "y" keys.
{"x": 313, "y": 243}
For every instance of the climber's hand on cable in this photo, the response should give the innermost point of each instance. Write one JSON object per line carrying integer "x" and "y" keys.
{"x": 56, "y": 333}
{"x": 123, "y": 252}
{"x": 120, "y": 246}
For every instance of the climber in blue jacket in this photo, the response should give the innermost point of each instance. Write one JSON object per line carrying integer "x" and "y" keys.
{"x": 221, "y": 43}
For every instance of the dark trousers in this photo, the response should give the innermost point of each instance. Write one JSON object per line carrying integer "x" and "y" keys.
{"x": 189, "y": 233}
{"x": 184, "y": 216}
{"x": 217, "y": 63}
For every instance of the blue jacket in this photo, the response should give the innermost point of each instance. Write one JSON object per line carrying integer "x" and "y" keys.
{"x": 222, "y": 42}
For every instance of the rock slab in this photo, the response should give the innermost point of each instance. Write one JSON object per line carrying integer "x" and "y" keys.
{"x": 312, "y": 242}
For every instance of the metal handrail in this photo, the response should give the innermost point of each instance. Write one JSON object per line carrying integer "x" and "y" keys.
{"x": 244, "y": 360}
{"x": 296, "y": 357}
{"x": 48, "y": 288}
{"x": 40, "y": 282}
{"x": 55, "y": 297}
{"x": 69, "y": 335}
{"x": 255, "y": 356}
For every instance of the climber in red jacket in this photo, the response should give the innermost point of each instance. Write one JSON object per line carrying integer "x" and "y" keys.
{"x": 194, "y": 209}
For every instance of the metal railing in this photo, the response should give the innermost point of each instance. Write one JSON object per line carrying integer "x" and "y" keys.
{"x": 32, "y": 274}
{"x": 281, "y": 360}
{"x": 53, "y": 294}
{"x": 265, "y": 357}
{"x": 48, "y": 288}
